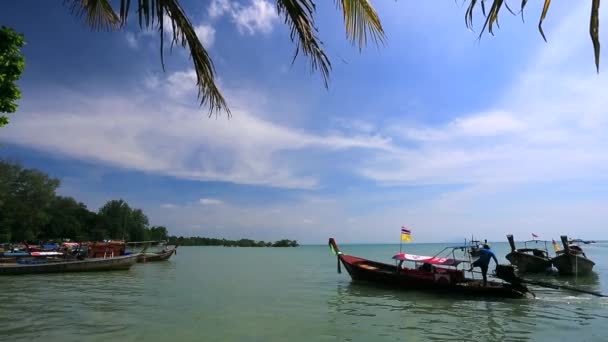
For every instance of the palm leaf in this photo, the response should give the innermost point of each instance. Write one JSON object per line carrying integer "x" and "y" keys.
{"x": 99, "y": 14}
{"x": 299, "y": 15}
{"x": 492, "y": 18}
{"x": 594, "y": 28}
{"x": 361, "y": 20}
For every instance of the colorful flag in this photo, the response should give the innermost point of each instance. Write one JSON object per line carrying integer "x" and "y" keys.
{"x": 406, "y": 234}
{"x": 556, "y": 246}
{"x": 534, "y": 236}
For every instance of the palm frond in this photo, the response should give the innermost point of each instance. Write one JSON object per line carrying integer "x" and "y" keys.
{"x": 97, "y": 14}
{"x": 299, "y": 15}
{"x": 594, "y": 31}
{"x": 542, "y": 18}
{"x": 361, "y": 20}
{"x": 184, "y": 34}
{"x": 492, "y": 18}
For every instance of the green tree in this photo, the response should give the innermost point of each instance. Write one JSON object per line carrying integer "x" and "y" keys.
{"x": 122, "y": 222}
{"x": 24, "y": 204}
{"x": 360, "y": 19}
{"x": 157, "y": 233}
{"x": 137, "y": 225}
{"x": 11, "y": 67}
{"x": 69, "y": 220}
{"x": 114, "y": 216}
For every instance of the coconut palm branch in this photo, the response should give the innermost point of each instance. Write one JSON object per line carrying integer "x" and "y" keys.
{"x": 491, "y": 19}
{"x": 100, "y": 15}
{"x": 360, "y": 20}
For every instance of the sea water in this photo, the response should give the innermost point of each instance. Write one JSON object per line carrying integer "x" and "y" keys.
{"x": 287, "y": 294}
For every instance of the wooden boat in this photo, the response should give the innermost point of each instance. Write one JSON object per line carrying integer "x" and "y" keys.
{"x": 85, "y": 265}
{"x": 437, "y": 274}
{"x": 572, "y": 260}
{"x": 160, "y": 256}
{"x": 532, "y": 260}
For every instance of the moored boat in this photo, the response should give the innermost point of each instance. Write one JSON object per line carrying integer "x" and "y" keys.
{"x": 160, "y": 250}
{"x": 85, "y": 265}
{"x": 572, "y": 260}
{"x": 159, "y": 256}
{"x": 532, "y": 260}
{"x": 437, "y": 274}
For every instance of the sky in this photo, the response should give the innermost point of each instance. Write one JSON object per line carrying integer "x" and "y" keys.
{"x": 449, "y": 135}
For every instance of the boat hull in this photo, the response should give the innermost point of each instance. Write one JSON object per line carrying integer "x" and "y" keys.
{"x": 568, "y": 264}
{"x": 362, "y": 270}
{"x": 150, "y": 257}
{"x": 527, "y": 263}
{"x": 86, "y": 265}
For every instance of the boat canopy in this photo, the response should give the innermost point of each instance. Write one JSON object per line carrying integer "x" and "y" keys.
{"x": 427, "y": 259}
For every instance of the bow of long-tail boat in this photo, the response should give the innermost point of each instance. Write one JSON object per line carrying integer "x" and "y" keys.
{"x": 531, "y": 260}
{"x": 572, "y": 260}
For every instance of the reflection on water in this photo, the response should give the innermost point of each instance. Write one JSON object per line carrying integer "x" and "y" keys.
{"x": 239, "y": 294}
{"x": 429, "y": 317}
{"x": 31, "y": 305}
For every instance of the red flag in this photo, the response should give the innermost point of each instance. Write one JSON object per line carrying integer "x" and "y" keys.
{"x": 534, "y": 235}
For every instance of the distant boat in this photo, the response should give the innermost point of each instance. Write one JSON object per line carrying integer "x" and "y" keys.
{"x": 85, "y": 265}
{"x": 161, "y": 255}
{"x": 586, "y": 242}
{"x": 445, "y": 278}
{"x": 531, "y": 260}
{"x": 158, "y": 256}
{"x": 572, "y": 260}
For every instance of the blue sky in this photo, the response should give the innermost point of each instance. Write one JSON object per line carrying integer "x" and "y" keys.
{"x": 436, "y": 130}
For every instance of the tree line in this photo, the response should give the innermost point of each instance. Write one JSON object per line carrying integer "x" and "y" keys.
{"x": 203, "y": 241}
{"x": 31, "y": 210}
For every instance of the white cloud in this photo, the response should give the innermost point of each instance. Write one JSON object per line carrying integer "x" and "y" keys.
{"x": 181, "y": 84}
{"x": 131, "y": 40}
{"x": 168, "y": 206}
{"x": 210, "y": 201}
{"x": 151, "y": 82}
{"x": 550, "y": 126}
{"x": 206, "y": 34}
{"x": 152, "y": 133}
{"x": 219, "y": 8}
{"x": 259, "y": 16}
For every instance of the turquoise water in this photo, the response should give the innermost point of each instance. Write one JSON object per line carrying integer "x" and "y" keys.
{"x": 279, "y": 294}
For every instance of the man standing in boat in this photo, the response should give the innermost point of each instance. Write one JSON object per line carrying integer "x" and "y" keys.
{"x": 485, "y": 255}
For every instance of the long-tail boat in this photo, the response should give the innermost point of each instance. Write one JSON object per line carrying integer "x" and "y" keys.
{"x": 51, "y": 266}
{"x": 438, "y": 274}
{"x": 532, "y": 260}
{"x": 165, "y": 254}
{"x": 160, "y": 255}
{"x": 572, "y": 260}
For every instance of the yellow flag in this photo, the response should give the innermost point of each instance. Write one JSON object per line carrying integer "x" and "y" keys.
{"x": 406, "y": 234}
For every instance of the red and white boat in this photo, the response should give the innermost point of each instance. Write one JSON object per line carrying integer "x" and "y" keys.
{"x": 436, "y": 274}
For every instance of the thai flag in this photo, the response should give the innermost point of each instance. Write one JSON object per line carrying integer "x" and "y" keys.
{"x": 404, "y": 230}
{"x": 534, "y": 235}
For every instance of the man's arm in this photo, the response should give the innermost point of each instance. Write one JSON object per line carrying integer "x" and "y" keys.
{"x": 494, "y": 257}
